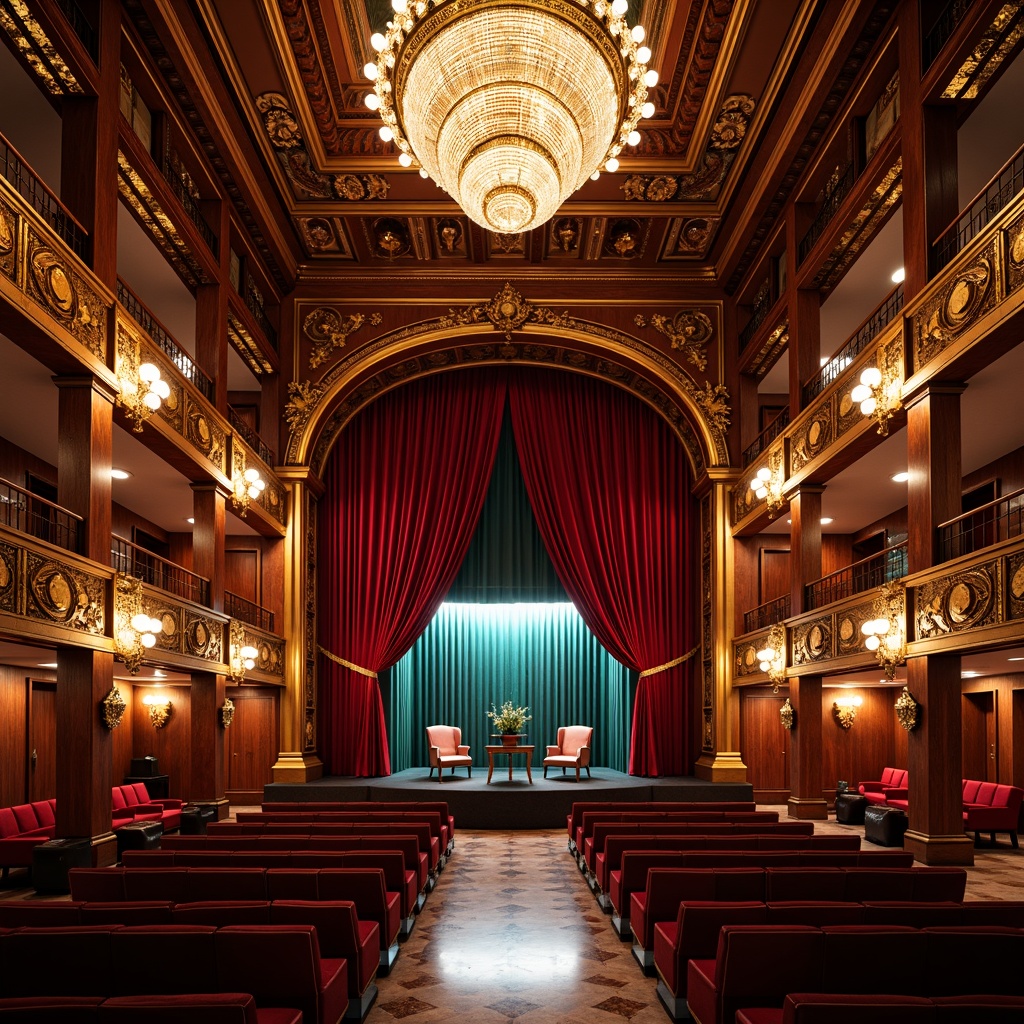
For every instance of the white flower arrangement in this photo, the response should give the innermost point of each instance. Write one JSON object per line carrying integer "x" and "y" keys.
{"x": 509, "y": 719}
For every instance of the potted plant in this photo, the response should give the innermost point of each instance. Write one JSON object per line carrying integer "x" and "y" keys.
{"x": 509, "y": 721}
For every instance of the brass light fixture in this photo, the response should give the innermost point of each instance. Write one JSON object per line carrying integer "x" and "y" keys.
{"x": 227, "y": 712}
{"x": 772, "y": 658}
{"x": 134, "y": 631}
{"x": 885, "y": 634}
{"x": 767, "y": 486}
{"x": 906, "y": 710}
{"x": 113, "y": 706}
{"x": 510, "y": 105}
{"x": 246, "y": 487}
{"x": 160, "y": 709}
{"x": 242, "y": 656}
{"x": 845, "y": 710}
{"x": 878, "y": 395}
{"x": 787, "y": 713}
{"x": 140, "y": 387}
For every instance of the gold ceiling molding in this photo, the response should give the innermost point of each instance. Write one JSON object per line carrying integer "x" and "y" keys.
{"x": 327, "y": 330}
{"x": 995, "y": 45}
{"x": 245, "y": 345}
{"x": 35, "y": 48}
{"x": 506, "y": 312}
{"x": 689, "y": 330}
{"x": 771, "y": 349}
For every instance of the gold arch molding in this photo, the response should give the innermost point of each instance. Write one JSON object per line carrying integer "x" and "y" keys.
{"x": 317, "y": 412}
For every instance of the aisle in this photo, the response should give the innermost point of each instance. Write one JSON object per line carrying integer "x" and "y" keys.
{"x": 513, "y": 932}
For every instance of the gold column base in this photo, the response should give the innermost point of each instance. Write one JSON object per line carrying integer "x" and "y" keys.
{"x": 807, "y": 808}
{"x": 723, "y": 766}
{"x": 956, "y": 850}
{"x": 297, "y": 768}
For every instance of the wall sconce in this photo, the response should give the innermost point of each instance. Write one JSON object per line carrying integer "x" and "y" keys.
{"x": 772, "y": 657}
{"x": 787, "y": 713}
{"x": 845, "y": 710}
{"x": 113, "y": 706}
{"x": 159, "y": 709}
{"x": 906, "y": 710}
{"x": 227, "y": 712}
{"x": 140, "y": 387}
{"x": 134, "y": 631}
{"x": 767, "y": 487}
{"x": 885, "y": 634}
{"x": 878, "y": 395}
{"x": 243, "y": 655}
{"x": 246, "y": 487}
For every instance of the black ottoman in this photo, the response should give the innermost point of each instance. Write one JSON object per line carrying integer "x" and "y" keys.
{"x": 52, "y": 860}
{"x": 194, "y": 818}
{"x": 884, "y": 825}
{"x": 850, "y": 808}
{"x": 138, "y": 835}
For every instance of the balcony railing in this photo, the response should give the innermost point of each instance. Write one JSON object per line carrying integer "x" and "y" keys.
{"x": 876, "y": 322}
{"x": 42, "y": 200}
{"x": 158, "y": 572}
{"x": 149, "y": 323}
{"x": 28, "y": 513}
{"x": 760, "y": 311}
{"x": 191, "y": 206}
{"x": 765, "y": 614}
{"x": 982, "y": 527}
{"x": 765, "y": 438}
{"x": 945, "y": 25}
{"x": 868, "y": 573}
{"x": 259, "y": 314}
{"x": 251, "y": 438}
{"x": 83, "y": 27}
{"x": 239, "y": 608}
{"x": 997, "y": 194}
{"x": 833, "y": 199}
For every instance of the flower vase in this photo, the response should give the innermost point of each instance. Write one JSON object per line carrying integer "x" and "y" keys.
{"x": 509, "y": 740}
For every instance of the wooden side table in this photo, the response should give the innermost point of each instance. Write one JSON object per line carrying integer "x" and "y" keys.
{"x": 494, "y": 750}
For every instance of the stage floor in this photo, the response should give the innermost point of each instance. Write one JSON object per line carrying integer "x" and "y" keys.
{"x": 511, "y": 805}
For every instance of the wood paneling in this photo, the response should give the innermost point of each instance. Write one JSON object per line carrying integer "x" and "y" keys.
{"x": 42, "y": 740}
{"x": 764, "y": 745}
{"x": 978, "y": 735}
{"x": 1008, "y": 692}
{"x": 13, "y": 713}
{"x": 869, "y": 745}
{"x": 123, "y": 737}
{"x": 774, "y": 573}
{"x": 172, "y": 744}
{"x": 251, "y": 742}
{"x": 242, "y": 572}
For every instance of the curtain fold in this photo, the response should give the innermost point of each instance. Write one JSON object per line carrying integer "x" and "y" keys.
{"x": 610, "y": 491}
{"x": 404, "y": 488}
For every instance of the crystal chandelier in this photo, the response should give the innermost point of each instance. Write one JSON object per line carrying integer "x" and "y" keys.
{"x": 510, "y": 105}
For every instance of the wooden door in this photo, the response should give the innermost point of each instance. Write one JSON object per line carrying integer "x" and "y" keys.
{"x": 42, "y": 740}
{"x": 978, "y": 736}
{"x": 251, "y": 743}
{"x": 242, "y": 573}
{"x": 764, "y": 744}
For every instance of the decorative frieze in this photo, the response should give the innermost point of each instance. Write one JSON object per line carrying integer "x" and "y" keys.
{"x": 63, "y": 595}
{"x": 964, "y": 600}
{"x": 8, "y": 241}
{"x": 1015, "y": 254}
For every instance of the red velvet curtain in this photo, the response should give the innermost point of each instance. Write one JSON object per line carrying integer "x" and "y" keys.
{"x": 610, "y": 490}
{"x": 405, "y": 486}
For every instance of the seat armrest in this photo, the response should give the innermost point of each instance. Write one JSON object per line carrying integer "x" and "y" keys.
{"x": 553, "y": 751}
{"x": 896, "y": 794}
{"x": 168, "y": 803}
{"x": 584, "y": 756}
{"x": 463, "y": 749}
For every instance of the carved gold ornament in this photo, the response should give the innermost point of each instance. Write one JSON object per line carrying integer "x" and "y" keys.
{"x": 885, "y": 634}
{"x": 327, "y": 330}
{"x": 714, "y": 402}
{"x": 844, "y": 710}
{"x": 689, "y": 330}
{"x": 159, "y": 708}
{"x": 112, "y": 708}
{"x": 507, "y": 312}
{"x": 227, "y": 713}
{"x": 772, "y": 657}
{"x": 788, "y": 714}
{"x": 906, "y": 710}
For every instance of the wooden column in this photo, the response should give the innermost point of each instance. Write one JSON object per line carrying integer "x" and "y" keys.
{"x": 804, "y": 542}
{"x": 936, "y": 832}
{"x": 209, "y": 513}
{"x": 207, "y": 735}
{"x": 212, "y": 337}
{"x": 804, "y": 307}
{"x": 805, "y": 799}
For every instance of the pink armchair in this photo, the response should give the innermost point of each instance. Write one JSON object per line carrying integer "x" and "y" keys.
{"x": 446, "y": 750}
{"x": 571, "y": 751}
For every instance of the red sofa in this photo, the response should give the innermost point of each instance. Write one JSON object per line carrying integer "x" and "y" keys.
{"x": 22, "y": 828}
{"x": 891, "y": 786}
{"x": 132, "y": 802}
{"x": 991, "y": 807}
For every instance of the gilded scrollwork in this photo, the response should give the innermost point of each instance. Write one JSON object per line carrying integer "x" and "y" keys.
{"x": 328, "y": 330}
{"x": 812, "y": 437}
{"x": 59, "y": 594}
{"x": 8, "y": 241}
{"x": 812, "y": 641}
{"x": 689, "y": 330}
{"x": 202, "y": 637}
{"x": 730, "y": 127}
{"x": 303, "y": 398}
{"x": 906, "y": 709}
{"x": 962, "y": 601}
{"x": 714, "y": 402}
{"x": 200, "y": 430}
{"x": 506, "y": 312}
{"x": 112, "y": 708}
{"x": 745, "y": 660}
{"x": 1015, "y": 576}
{"x": 1015, "y": 254}
{"x": 33, "y": 45}
{"x": 8, "y": 578}
{"x": 787, "y": 715}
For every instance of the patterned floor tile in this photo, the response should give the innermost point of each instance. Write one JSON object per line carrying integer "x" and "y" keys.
{"x": 513, "y": 1008}
{"x": 402, "y": 1008}
{"x": 623, "y": 1007}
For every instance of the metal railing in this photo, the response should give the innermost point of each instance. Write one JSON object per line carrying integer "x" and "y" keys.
{"x": 765, "y": 438}
{"x": 191, "y": 207}
{"x": 996, "y": 195}
{"x": 158, "y": 572}
{"x": 239, "y": 608}
{"x": 26, "y": 512}
{"x": 82, "y": 26}
{"x": 876, "y": 322}
{"x": 938, "y": 35}
{"x": 258, "y": 313}
{"x": 137, "y": 310}
{"x": 868, "y": 573}
{"x": 251, "y": 438}
{"x": 831, "y": 202}
{"x": 42, "y": 200}
{"x": 981, "y": 527}
{"x": 757, "y": 317}
{"x": 765, "y": 614}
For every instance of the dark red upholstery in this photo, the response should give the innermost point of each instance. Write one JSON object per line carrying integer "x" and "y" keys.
{"x": 876, "y": 791}
{"x": 990, "y": 807}
{"x": 39, "y": 914}
{"x": 22, "y": 828}
{"x": 50, "y": 1009}
{"x": 132, "y": 802}
{"x": 28, "y": 955}
{"x": 206, "y": 1008}
{"x": 832, "y": 1008}
{"x": 184, "y": 952}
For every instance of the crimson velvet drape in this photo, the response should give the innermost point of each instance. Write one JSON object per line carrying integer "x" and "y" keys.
{"x": 609, "y": 488}
{"x": 404, "y": 490}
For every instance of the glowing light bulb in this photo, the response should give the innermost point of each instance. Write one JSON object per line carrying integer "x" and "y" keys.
{"x": 651, "y": 78}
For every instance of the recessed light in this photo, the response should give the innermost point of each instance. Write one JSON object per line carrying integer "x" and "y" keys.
{"x": 898, "y": 276}
{"x": 825, "y": 520}
{"x": 120, "y": 474}
{"x": 1015, "y": 659}
{"x": 191, "y": 519}
{"x": 53, "y": 664}
{"x": 900, "y": 478}
{"x": 823, "y": 361}
{"x": 969, "y": 674}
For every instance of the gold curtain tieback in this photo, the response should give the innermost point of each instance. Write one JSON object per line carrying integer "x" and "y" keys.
{"x": 669, "y": 664}
{"x": 346, "y": 664}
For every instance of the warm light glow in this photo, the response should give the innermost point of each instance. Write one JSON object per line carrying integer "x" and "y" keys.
{"x": 120, "y": 474}
{"x": 900, "y": 478}
{"x": 899, "y": 276}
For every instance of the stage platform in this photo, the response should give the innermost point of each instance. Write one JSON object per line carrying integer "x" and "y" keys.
{"x": 515, "y": 805}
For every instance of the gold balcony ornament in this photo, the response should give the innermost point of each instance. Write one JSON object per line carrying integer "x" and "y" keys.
{"x": 906, "y": 710}
{"x": 134, "y": 631}
{"x": 788, "y": 715}
{"x": 844, "y": 709}
{"x": 246, "y": 487}
{"x": 772, "y": 657}
{"x": 112, "y": 708}
{"x": 242, "y": 654}
{"x": 227, "y": 712}
{"x": 767, "y": 487}
{"x": 160, "y": 709}
{"x": 878, "y": 395}
{"x": 510, "y": 105}
{"x": 140, "y": 389}
{"x": 885, "y": 634}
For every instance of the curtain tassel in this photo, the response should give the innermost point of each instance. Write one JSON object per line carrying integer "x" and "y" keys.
{"x": 668, "y": 664}
{"x": 346, "y": 664}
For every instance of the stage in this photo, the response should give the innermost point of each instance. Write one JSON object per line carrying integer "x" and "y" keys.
{"x": 509, "y": 805}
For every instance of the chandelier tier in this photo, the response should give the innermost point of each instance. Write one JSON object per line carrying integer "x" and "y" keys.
{"x": 510, "y": 105}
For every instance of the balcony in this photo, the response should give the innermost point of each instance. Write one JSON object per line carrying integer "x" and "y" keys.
{"x": 251, "y": 438}
{"x": 835, "y": 192}
{"x": 158, "y": 572}
{"x": 982, "y": 527}
{"x": 765, "y": 614}
{"x": 247, "y": 611}
{"x": 765, "y": 438}
{"x": 190, "y": 206}
{"x": 868, "y": 573}
{"x": 28, "y": 513}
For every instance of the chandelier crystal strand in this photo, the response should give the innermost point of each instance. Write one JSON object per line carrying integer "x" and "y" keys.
{"x": 510, "y": 105}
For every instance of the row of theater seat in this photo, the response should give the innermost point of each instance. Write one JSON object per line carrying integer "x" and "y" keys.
{"x": 200, "y": 1008}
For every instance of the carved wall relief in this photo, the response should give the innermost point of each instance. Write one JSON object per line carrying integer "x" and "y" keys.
{"x": 965, "y": 600}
